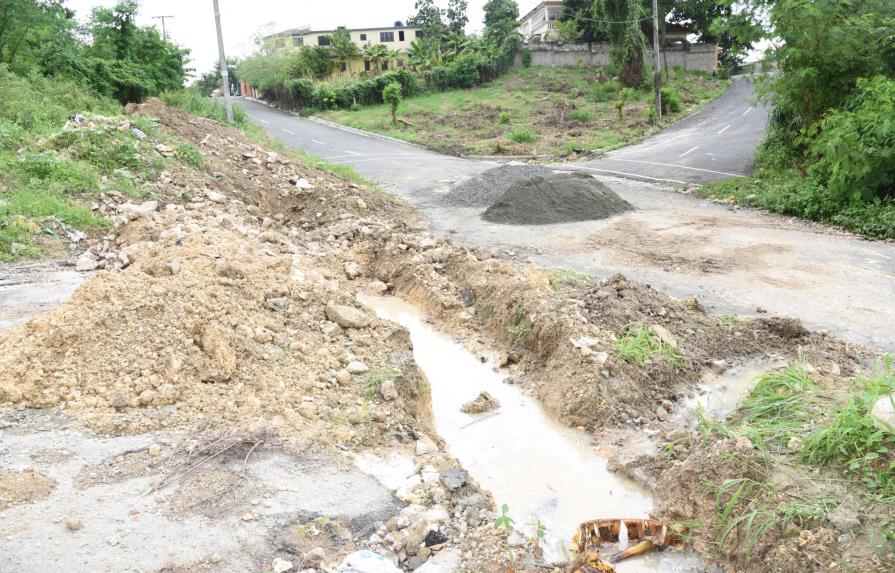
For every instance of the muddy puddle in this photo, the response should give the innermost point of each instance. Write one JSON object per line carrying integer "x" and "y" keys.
{"x": 543, "y": 471}
{"x": 719, "y": 394}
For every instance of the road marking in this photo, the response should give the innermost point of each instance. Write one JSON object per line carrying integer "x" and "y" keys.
{"x": 747, "y": 111}
{"x": 688, "y": 152}
{"x": 317, "y": 142}
{"x": 725, "y": 129}
{"x": 289, "y": 132}
{"x": 677, "y": 166}
{"x": 264, "y": 121}
{"x": 352, "y": 152}
{"x": 633, "y": 175}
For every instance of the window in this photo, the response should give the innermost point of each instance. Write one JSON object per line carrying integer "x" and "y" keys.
{"x": 324, "y": 40}
{"x": 363, "y": 37}
{"x": 344, "y": 67}
{"x": 401, "y": 36}
{"x": 297, "y": 41}
{"x": 386, "y": 36}
{"x": 366, "y": 65}
{"x": 419, "y": 33}
{"x": 400, "y": 63}
{"x": 384, "y": 65}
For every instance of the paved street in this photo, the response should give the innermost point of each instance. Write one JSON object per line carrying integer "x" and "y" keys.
{"x": 735, "y": 261}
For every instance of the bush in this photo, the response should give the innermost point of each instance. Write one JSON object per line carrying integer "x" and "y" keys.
{"x": 504, "y": 118}
{"x": 581, "y": 115}
{"x": 526, "y": 58}
{"x": 391, "y": 95}
{"x": 606, "y": 91}
{"x": 193, "y": 102}
{"x": 522, "y": 135}
{"x": 671, "y": 100}
{"x": 189, "y": 155}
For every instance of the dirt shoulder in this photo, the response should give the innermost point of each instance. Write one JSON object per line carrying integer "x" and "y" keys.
{"x": 225, "y": 324}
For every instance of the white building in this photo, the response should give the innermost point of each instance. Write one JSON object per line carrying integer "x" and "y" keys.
{"x": 540, "y": 22}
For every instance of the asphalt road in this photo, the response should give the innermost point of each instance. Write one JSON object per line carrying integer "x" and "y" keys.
{"x": 736, "y": 261}
{"x": 717, "y": 142}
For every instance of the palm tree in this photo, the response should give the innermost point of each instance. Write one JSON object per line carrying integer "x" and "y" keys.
{"x": 393, "y": 56}
{"x": 375, "y": 53}
{"x": 425, "y": 54}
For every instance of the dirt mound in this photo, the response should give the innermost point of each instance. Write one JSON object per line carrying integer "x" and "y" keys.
{"x": 556, "y": 198}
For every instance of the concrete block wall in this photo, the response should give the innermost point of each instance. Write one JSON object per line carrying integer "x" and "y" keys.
{"x": 694, "y": 57}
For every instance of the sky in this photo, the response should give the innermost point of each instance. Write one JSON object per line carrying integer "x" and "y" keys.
{"x": 242, "y": 20}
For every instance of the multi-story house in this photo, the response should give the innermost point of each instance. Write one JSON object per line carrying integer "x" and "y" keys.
{"x": 394, "y": 38}
{"x": 539, "y": 24}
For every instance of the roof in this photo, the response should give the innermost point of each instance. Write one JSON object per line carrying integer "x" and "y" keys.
{"x": 303, "y": 31}
{"x": 540, "y": 6}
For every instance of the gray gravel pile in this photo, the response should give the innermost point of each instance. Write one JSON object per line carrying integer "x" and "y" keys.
{"x": 556, "y": 198}
{"x": 484, "y": 189}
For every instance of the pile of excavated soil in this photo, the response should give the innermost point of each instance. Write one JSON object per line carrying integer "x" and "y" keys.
{"x": 485, "y": 188}
{"x": 556, "y": 198}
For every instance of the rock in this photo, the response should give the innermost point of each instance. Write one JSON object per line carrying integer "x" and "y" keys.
{"x": 516, "y": 539}
{"x": 794, "y": 444}
{"x": 743, "y": 444}
{"x": 132, "y": 212}
{"x": 247, "y": 517}
{"x": 664, "y": 335}
{"x": 73, "y": 523}
{"x": 388, "y": 390}
{"x": 16, "y": 248}
{"x": 661, "y": 413}
{"x": 435, "y": 537}
{"x": 86, "y": 262}
{"x": 279, "y": 304}
{"x": 154, "y": 450}
{"x": 428, "y": 243}
{"x": 330, "y": 329}
{"x": 316, "y": 556}
{"x": 165, "y": 150}
{"x": 357, "y": 367}
{"x": 214, "y": 339}
{"x": 352, "y": 270}
{"x": 454, "y": 479}
{"x": 844, "y": 518}
{"x": 347, "y": 316}
{"x": 376, "y": 288}
{"x": 446, "y": 561}
{"x": 343, "y": 377}
{"x": 584, "y": 342}
{"x": 269, "y": 236}
{"x": 485, "y": 402}
{"x": 425, "y": 445}
{"x": 281, "y": 565}
{"x": 215, "y": 197}
{"x": 303, "y": 183}
{"x": 883, "y": 413}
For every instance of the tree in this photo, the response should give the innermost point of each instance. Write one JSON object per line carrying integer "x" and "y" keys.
{"x": 343, "y": 48}
{"x": 500, "y": 19}
{"x": 424, "y": 54}
{"x": 30, "y": 28}
{"x": 391, "y": 95}
{"x": 456, "y": 17}
{"x": 623, "y": 28}
{"x": 430, "y": 18}
{"x": 393, "y": 57}
{"x": 375, "y": 53}
{"x": 732, "y": 25}
{"x": 585, "y": 14}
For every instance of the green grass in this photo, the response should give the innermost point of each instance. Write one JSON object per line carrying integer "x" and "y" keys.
{"x": 487, "y": 120}
{"x": 561, "y": 278}
{"x": 637, "y": 343}
{"x": 189, "y": 155}
{"x": 376, "y": 377}
{"x": 521, "y": 327}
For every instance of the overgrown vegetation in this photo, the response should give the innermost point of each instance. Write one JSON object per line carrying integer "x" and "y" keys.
{"x": 556, "y": 111}
{"x": 793, "y": 420}
{"x": 829, "y": 155}
{"x": 637, "y": 343}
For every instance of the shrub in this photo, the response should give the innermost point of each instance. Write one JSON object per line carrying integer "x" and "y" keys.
{"x": 606, "y": 91}
{"x": 504, "y": 118}
{"x": 391, "y": 95}
{"x": 581, "y": 115}
{"x": 671, "y": 100}
{"x": 189, "y": 155}
{"x": 526, "y": 58}
{"x": 522, "y": 135}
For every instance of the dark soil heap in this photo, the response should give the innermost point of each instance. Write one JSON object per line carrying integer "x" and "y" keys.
{"x": 556, "y": 198}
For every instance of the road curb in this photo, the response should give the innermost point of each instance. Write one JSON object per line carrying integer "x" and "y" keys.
{"x": 364, "y": 133}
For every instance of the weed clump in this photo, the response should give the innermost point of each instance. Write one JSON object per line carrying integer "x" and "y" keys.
{"x": 638, "y": 343}
{"x": 522, "y": 135}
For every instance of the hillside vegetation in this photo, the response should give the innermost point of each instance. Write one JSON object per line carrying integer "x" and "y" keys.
{"x": 537, "y": 110}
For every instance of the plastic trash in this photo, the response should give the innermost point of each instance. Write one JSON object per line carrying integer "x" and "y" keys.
{"x": 649, "y": 533}
{"x": 366, "y": 562}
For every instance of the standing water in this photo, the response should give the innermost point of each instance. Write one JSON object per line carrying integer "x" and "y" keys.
{"x": 544, "y": 472}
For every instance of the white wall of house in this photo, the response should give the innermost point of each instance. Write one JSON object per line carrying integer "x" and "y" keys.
{"x": 392, "y": 38}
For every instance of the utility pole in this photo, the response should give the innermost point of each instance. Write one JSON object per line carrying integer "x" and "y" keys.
{"x": 657, "y": 77}
{"x": 163, "y": 18}
{"x": 225, "y": 74}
